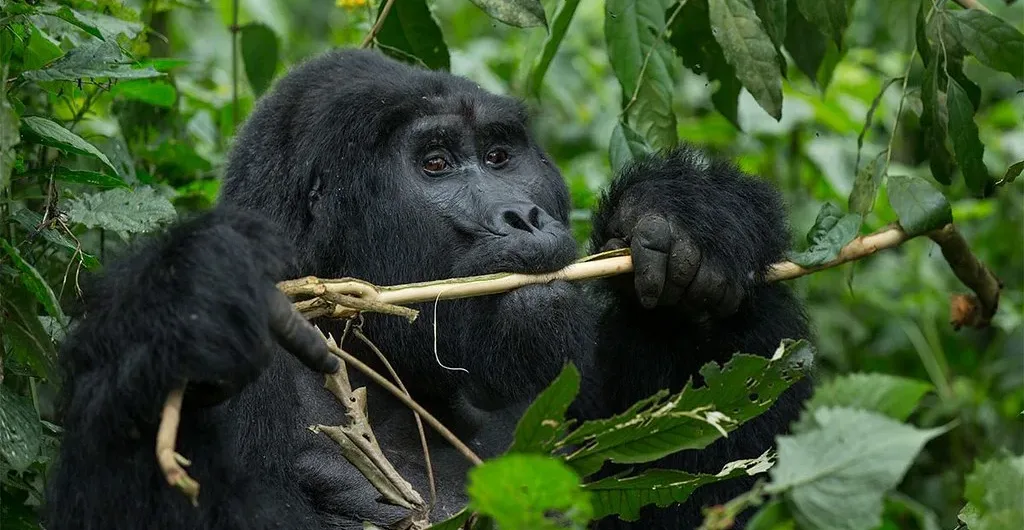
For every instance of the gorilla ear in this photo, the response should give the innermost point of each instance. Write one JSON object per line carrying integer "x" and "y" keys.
{"x": 315, "y": 192}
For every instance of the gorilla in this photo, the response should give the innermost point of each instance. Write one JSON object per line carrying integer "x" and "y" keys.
{"x": 356, "y": 165}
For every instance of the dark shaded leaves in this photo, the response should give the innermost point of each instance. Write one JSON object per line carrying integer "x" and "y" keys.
{"x": 831, "y": 232}
{"x": 748, "y": 48}
{"x": 693, "y": 41}
{"x": 21, "y": 434}
{"x": 919, "y": 205}
{"x": 964, "y": 135}
{"x": 625, "y": 146}
{"x": 518, "y": 13}
{"x": 991, "y": 40}
{"x": 829, "y": 16}
{"x": 410, "y": 33}
{"x": 260, "y": 55}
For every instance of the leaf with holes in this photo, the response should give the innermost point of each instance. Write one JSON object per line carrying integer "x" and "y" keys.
{"x": 259, "y": 53}
{"x": 967, "y": 146}
{"x": 410, "y": 33}
{"x": 745, "y": 387}
{"x": 88, "y": 61}
{"x": 528, "y": 491}
{"x": 123, "y": 211}
{"x": 43, "y": 131}
{"x": 750, "y": 51}
{"x": 893, "y": 396}
{"x": 545, "y": 417}
{"x": 518, "y": 13}
{"x": 831, "y": 232}
{"x": 990, "y": 39}
{"x": 21, "y": 434}
{"x": 836, "y": 474}
{"x": 625, "y": 496}
{"x": 918, "y": 204}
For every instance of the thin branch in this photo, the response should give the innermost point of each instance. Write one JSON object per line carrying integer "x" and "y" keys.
{"x": 377, "y": 25}
{"x": 647, "y": 58}
{"x": 171, "y": 463}
{"x": 972, "y": 4}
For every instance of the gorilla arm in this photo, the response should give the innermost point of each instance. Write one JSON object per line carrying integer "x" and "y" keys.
{"x": 196, "y": 305}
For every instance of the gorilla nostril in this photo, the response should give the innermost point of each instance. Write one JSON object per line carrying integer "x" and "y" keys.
{"x": 534, "y": 217}
{"x": 515, "y": 220}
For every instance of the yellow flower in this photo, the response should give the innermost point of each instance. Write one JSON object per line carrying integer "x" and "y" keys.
{"x": 350, "y": 4}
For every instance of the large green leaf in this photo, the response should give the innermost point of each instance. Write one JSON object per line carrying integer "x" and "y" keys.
{"x": 831, "y": 232}
{"x": 749, "y": 49}
{"x": 643, "y": 63}
{"x": 966, "y": 144}
{"x": 518, "y": 13}
{"x": 625, "y": 496}
{"x": 9, "y": 135}
{"x": 918, "y": 204}
{"x": 259, "y": 53}
{"x": 528, "y": 491}
{"x": 865, "y": 186}
{"x": 91, "y": 60}
{"x": 993, "y": 494}
{"x": 29, "y": 348}
{"x": 20, "y": 431}
{"x": 625, "y": 146}
{"x": 829, "y": 16}
{"x": 994, "y": 42}
{"x": 806, "y": 44}
{"x": 96, "y": 24}
{"x": 935, "y": 122}
{"x": 743, "y": 388}
{"x": 773, "y": 17}
{"x": 836, "y": 474}
{"x": 34, "y": 281}
{"x": 157, "y": 92}
{"x": 410, "y": 33}
{"x": 559, "y": 25}
{"x": 545, "y": 417}
{"x": 694, "y": 41}
{"x": 43, "y": 131}
{"x": 893, "y": 396}
{"x": 123, "y": 211}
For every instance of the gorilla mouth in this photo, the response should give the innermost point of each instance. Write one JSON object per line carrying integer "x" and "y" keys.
{"x": 532, "y": 254}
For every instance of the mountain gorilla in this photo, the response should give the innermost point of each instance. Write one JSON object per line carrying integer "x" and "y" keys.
{"x": 357, "y": 165}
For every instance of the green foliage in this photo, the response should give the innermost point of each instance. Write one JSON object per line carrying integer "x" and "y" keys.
{"x": 519, "y": 13}
{"x": 748, "y": 48}
{"x": 993, "y": 495}
{"x": 43, "y": 131}
{"x": 260, "y": 53}
{"x": 529, "y": 491}
{"x": 544, "y": 419}
{"x": 896, "y": 397}
{"x": 90, "y": 61}
{"x": 20, "y": 431}
{"x": 410, "y": 33}
{"x": 918, "y": 204}
{"x": 122, "y": 211}
{"x": 831, "y": 232}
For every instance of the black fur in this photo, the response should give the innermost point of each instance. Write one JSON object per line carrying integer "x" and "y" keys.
{"x": 325, "y": 179}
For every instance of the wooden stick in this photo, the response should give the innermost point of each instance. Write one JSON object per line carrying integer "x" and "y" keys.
{"x": 170, "y": 461}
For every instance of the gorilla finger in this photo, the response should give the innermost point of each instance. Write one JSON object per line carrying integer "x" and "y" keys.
{"x": 706, "y": 288}
{"x": 298, "y": 336}
{"x": 684, "y": 261}
{"x": 651, "y": 240}
{"x": 613, "y": 244}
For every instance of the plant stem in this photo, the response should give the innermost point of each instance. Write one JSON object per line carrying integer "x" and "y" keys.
{"x": 368, "y": 40}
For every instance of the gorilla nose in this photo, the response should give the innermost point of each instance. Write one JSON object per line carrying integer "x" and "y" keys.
{"x": 525, "y": 217}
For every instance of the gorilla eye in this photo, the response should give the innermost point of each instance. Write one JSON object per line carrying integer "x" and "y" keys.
{"x": 497, "y": 158}
{"x": 436, "y": 164}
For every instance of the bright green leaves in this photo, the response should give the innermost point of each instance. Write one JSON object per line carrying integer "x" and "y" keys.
{"x": 544, "y": 419}
{"x": 832, "y": 230}
{"x": 918, "y": 204}
{"x": 895, "y": 397}
{"x": 156, "y": 92}
{"x": 644, "y": 65}
{"x": 410, "y": 33}
{"x": 519, "y": 13}
{"x": 966, "y": 144}
{"x": 122, "y": 211}
{"x": 993, "y": 495}
{"x": 660, "y": 487}
{"x": 21, "y": 434}
{"x": 990, "y": 39}
{"x": 91, "y": 60}
{"x": 529, "y": 491}
{"x": 260, "y": 55}
{"x": 830, "y": 17}
{"x": 47, "y": 132}
{"x": 836, "y": 471}
{"x": 748, "y": 48}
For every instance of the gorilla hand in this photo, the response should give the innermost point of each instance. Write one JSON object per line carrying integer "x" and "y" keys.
{"x": 670, "y": 268}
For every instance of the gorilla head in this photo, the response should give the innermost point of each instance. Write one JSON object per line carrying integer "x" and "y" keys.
{"x": 395, "y": 174}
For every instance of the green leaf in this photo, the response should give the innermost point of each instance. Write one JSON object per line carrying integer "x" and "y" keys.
{"x": 559, "y": 25}
{"x": 40, "y": 130}
{"x": 966, "y": 145}
{"x": 91, "y": 178}
{"x": 836, "y": 474}
{"x": 743, "y": 388}
{"x": 995, "y": 43}
{"x": 1011, "y": 174}
{"x": 830, "y": 17}
{"x": 903, "y": 512}
{"x": 9, "y": 135}
{"x": 749, "y": 49}
{"x": 625, "y": 496}
{"x": 693, "y": 40}
{"x": 772, "y": 14}
{"x": 21, "y": 434}
{"x": 40, "y": 50}
{"x": 865, "y": 186}
{"x": 155, "y": 92}
{"x": 772, "y": 516}
{"x": 935, "y": 124}
{"x": 918, "y": 204}
{"x": 260, "y": 55}
{"x": 805, "y": 42}
{"x": 518, "y": 13}
{"x": 26, "y": 340}
{"x": 545, "y": 417}
{"x": 91, "y": 60}
{"x": 410, "y": 33}
{"x": 643, "y": 64}
{"x": 625, "y": 146}
{"x": 528, "y": 491}
{"x": 893, "y": 396}
{"x": 454, "y": 522}
{"x": 993, "y": 494}
{"x": 34, "y": 281}
{"x": 32, "y": 222}
{"x": 96, "y": 24}
{"x": 831, "y": 232}
{"x": 122, "y": 210}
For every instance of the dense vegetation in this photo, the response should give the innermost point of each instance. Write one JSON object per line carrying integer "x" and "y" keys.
{"x": 115, "y": 118}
